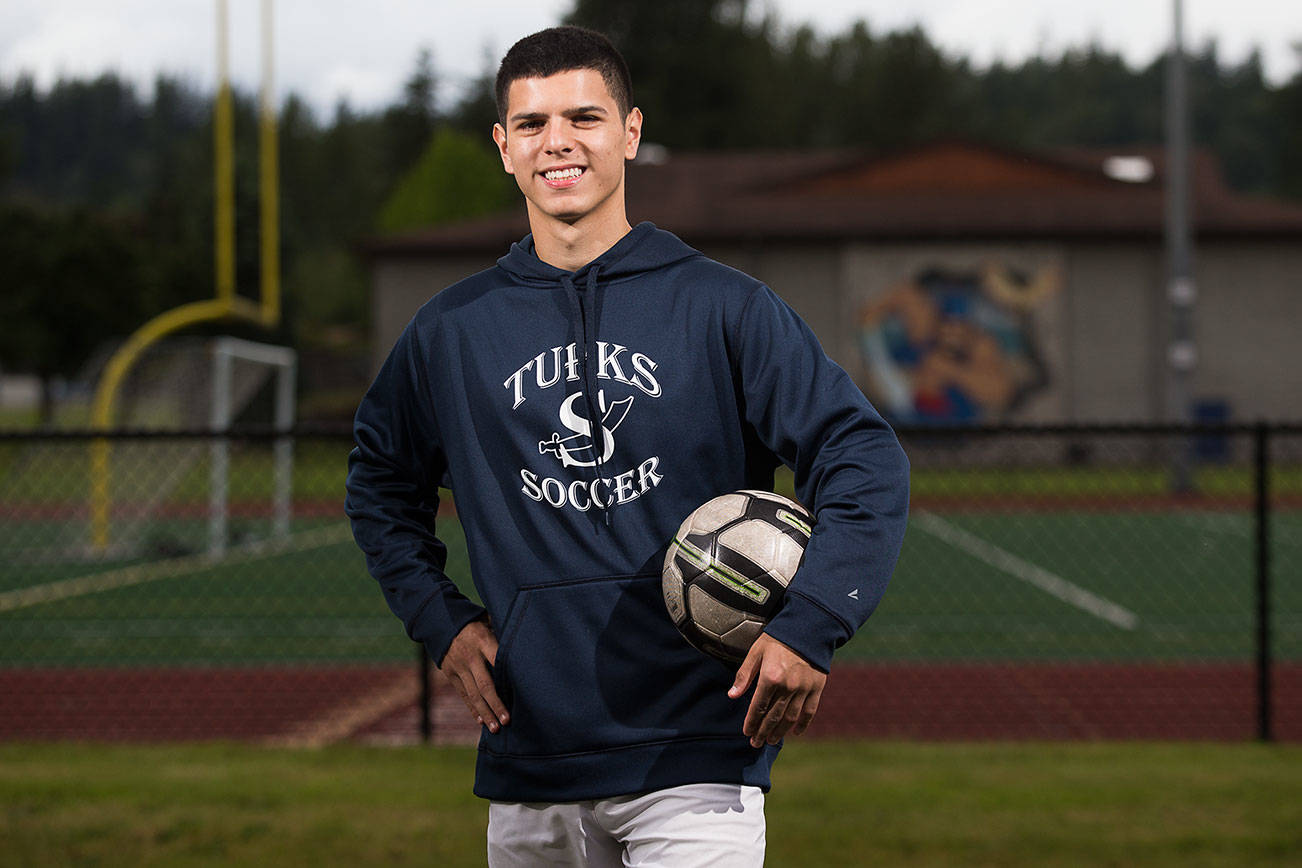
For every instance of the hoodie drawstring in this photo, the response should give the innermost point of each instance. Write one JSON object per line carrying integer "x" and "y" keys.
{"x": 588, "y": 340}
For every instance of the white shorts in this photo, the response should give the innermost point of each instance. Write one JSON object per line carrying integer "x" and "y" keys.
{"x": 714, "y": 825}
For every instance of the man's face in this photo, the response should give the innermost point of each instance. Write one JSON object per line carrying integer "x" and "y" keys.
{"x": 565, "y": 142}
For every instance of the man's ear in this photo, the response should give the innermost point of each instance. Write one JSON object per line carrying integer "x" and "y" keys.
{"x": 499, "y": 137}
{"x": 632, "y": 132}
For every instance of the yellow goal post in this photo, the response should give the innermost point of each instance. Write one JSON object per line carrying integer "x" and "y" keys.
{"x": 227, "y": 305}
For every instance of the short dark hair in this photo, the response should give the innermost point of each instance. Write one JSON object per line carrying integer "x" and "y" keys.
{"x": 561, "y": 49}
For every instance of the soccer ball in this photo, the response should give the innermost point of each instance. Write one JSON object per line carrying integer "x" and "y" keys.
{"x": 728, "y": 567}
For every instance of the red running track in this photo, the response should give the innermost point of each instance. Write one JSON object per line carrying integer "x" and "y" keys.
{"x": 318, "y": 705}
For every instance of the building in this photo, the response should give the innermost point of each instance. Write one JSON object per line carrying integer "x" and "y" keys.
{"x": 961, "y": 282}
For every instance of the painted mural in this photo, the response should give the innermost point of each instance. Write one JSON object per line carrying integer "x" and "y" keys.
{"x": 952, "y": 346}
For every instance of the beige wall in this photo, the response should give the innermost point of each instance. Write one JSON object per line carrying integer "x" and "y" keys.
{"x": 1248, "y": 327}
{"x": 1113, "y": 344}
{"x": 807, "y": 277}
{"x": 399, "y": 286}
{"x": 1100, "y": 332}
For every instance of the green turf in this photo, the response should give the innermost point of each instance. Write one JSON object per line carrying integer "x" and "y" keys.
{"x": 58, "y": 471}
{"x": 946, "y": 602}
{"x": 833, "y": 804}
{"x": 314, "y": 605}
{"x": 1107, "y": 482}
{"x": 1184, "y": 576}
{"x": 1187, "y": 579}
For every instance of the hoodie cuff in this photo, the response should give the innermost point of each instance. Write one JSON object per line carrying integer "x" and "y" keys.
{"x": 808, "y": 629}
{"x": 441, "y": 619}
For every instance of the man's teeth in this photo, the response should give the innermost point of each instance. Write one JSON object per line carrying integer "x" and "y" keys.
{"x": 563, "y": 174}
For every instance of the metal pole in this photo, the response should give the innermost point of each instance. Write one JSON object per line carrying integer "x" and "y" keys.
{"x": 1265, "y": 704}
{"x": 282, "y": 496}
{"x": 224, "y": 166}
{"x": 1181, "y": 292}
{"x": 426, "y": 696}
{"x": 219, "y": 472}
{"x": 269, "y": 178}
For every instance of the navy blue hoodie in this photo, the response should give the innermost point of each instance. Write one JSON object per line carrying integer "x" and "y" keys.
{"x": 697, "y": 380}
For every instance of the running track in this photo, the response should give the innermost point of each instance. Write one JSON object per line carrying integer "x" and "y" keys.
{"x": 317, "y": 706}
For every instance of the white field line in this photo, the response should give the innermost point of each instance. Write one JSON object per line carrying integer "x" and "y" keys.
{"x": 350, "y": 716}
{"x": 1000, "y": 559}
{"x": 170, "y": 568}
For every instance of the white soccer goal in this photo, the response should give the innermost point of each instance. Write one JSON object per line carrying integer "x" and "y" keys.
{"x": 168, "y": 496}
{"x": 226, "y": 353}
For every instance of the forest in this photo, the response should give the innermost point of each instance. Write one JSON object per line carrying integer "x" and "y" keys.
{"x": 106, "y": 192}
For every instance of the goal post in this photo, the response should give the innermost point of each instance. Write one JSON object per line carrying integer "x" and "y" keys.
{"x": 227, "y": 304}
{"x": 284, "y": 361}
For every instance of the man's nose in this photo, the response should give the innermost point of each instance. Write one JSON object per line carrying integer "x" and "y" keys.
{"x": 558, "y": 138}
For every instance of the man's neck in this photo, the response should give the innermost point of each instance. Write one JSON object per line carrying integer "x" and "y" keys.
{"x": 570, "y": 246}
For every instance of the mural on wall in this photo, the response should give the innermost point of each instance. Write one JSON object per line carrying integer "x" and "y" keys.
{"x": 955, "y": 346}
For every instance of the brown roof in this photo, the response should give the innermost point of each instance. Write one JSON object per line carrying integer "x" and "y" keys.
{"x": 945, "y": 190}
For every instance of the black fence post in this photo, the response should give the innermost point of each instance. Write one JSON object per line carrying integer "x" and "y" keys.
{"x": 1261, "y": 455}
{"x": 426, "y": 697}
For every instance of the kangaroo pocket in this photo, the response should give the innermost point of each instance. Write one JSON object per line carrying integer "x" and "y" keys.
{"x": 597, "y": 664}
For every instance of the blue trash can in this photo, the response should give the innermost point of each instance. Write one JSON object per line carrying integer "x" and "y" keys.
{"x": 1211, "y": 448}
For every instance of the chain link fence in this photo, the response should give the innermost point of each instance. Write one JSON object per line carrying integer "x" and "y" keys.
{"x": 1089, "y": 582}
{"x": 1071, "y": 582}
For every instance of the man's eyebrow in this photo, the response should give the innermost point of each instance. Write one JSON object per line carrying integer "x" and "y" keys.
{"x": 580, "y": 110}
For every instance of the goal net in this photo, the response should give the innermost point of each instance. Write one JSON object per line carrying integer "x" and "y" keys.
{"x": 169, "y": 496}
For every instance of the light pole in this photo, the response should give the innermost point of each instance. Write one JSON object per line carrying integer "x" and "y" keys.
{"x": 1181, "y": 293}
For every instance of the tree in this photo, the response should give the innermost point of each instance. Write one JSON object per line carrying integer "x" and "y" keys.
{"x": 889, "y": 91}
{"x": 410, "y": 123}
{"x": 701, "y": 69}
{"x": 72, "y": 283}
{"x": 456, "y": 178}
{"x": 476, "y": 111}
{"x": 1286, "y": 106}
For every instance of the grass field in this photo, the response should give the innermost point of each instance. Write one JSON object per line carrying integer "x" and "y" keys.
{"x": 833, "y": 804}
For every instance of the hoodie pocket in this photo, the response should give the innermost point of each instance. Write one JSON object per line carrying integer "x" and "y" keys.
{"x": 597, "y": 664}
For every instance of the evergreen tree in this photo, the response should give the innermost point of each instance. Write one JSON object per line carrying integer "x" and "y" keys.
{"x": 700, "y": 68}
{"x": 456, "y": 178}
{"x": 409, "y": 124}
{"x": 1285, "y": 105}
{"x": 72, "y": 281}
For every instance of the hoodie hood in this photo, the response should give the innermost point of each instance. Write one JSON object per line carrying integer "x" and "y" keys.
{"x": 644, "y": 248}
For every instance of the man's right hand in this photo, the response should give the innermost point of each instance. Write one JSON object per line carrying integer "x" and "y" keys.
{"x": 468, "y": 665}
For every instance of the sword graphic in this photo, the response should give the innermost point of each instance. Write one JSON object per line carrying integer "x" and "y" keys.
{"x": 579, "y": 449}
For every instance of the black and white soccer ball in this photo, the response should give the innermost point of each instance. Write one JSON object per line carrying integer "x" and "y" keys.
{"x": 728, "y": 568}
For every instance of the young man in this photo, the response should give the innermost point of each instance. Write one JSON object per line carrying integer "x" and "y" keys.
{"x": 581, "y": 398}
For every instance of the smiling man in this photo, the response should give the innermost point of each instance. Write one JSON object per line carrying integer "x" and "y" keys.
{"x": 566, "y": 139}
{"x": 581, "y": 398}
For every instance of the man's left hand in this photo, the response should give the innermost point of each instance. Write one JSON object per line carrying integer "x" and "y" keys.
{"x": 787, "y": 690}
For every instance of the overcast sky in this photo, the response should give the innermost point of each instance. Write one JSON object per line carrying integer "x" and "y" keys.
{"x": 362, "y": 51}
